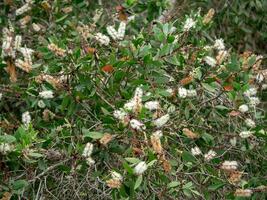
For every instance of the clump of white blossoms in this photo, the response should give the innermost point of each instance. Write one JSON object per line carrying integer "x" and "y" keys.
{"x": 11, "y": 46}
{"x": 102, "y": 39}
{"x": 122, "y": 116}
{"x": 1, "y": 95}
{"x": 161, "y": 121}
{"x": 117, "y": 35}
{"x": 253, "y": 101}
{"x": 140, "y": 168}
{"x": 229, "y": 165}
{"x": 135, "y": 104}
{"x": 26, "y": 118}
{"x": 250, "y": 123}
{"x": 137, "y": 125}
{"x": 47, "y": 94}
{"x": 87, "y": 152}
{"x": 25, "y": 8}
{"x": 243, "y": 108}
{"x": 243, "y": 192}
{"x": 5, "y": 148}
{"x": 250, "y": 92}
{"x": 189, "y": 23}
{"x": 219, "y": 44}
{"x": 182, "y": 92}
{"x": 152, "y": 105}
{"x": 246, "y": 134}
{"x": 196, "y": 151}
{"x": 210, "y": 61}
{"x": 210, "y": 155}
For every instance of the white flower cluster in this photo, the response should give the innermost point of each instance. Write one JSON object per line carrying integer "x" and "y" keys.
{"x": 26, "y": 7}
{"x": 243, "y": 108}
{"x": 47, "y": 94}
{"x": 152, "y": 105}
{"x": 5, "y": 148}
{"x": 246, "y": 134}
{"x": 210, "y": 155}
{"x": 219, "y": 44}
{"x": 161, "y": 121}
{"x": 11, "y": 45}
{"x": 183, "y": 93}
{"x": 251, "y": 95}
{"x": 102, "y": 39}
{"x": 189, "y": 23}
{"x": 137, "y": 125}
{"x": 250, "y": 123}
{"x": 229, "y": 165}
{"x": 26, "y": 118}
{"x": 196, "y": 151}
{"x": 87, "y": 153}
{"x": 140, "y": 168}
{"x": 135, "y": 105}
{"x": 115, "y": 35}
{"x": 210, "y": 61}
{"x": 1, "y": 95}
{"x": 116, "y": 175}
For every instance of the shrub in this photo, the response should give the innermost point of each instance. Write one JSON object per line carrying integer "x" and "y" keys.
{"x": 133, "y": 106}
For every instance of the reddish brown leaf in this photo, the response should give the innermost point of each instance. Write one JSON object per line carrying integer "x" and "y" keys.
{"x": 234, "y": 113}
{"x": 11, "y": 70}
{"x": 228, "y": 88}
{"x": 107, "y": 68}
{"x": 186, "y": 80}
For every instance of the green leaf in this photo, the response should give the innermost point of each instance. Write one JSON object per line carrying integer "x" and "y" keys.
{"x": 216, "y": 186}
{"x": 7, "y": 138}
{"x": 209, "y": 87}
{"x": 20, "y": 184}
{"x": 127, "y": 167}
{"x": 92, "y": 134}
{"x": 138, "y": 182}
{"x": 173, "y": 184}
{"x": 151, "y": 163}
{"x": 35, "y": 155}
{"x": 188, "y": 157}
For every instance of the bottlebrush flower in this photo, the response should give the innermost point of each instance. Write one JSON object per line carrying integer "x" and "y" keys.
{"x": 243, "y": 192}
{"x": 56, "y": 50}
{"x": 47, "y": 94}
{"x": 122, "y": 116}
{"x": 182, "y": 92}
{"x": 191, "y": 93}
{"x": 135, "y": 104}
{"x": 221, "y": 56}
{"x": 121, "y": 30}
{"x": 26, "y": 7}
{"x": 253, "y": 101}
{"x": 189, "y": 23}
{"x": 5, "y": 148}
{"x": 219, "y": 44}
{"x": 210, "y": 155}
{"x": 156, "y": 143}
{"x": 243, "y": 108}
{"x": 1, "y": 95}
{"x": 113, "y": 183}
{"x": 229, "y": 165}
{"x": 88, "y": 150}
{"x": 102, "y": 39}
{"x": 152, "y": 105}
{"x": 26, "y": 118}
{"x": 161, "y": 121}
{"x": 246, "y": 134}
{"x": 90, "y": 161}
{"x": 140, "y": 168}
{"x": 210, "y": 61}
{"x": 116, "y": 175}
{"x": 250, "y": 92}
{"x": 17, "y": 43}
{"x": 196, "y": 151}
{"x": 208, "y": 17}
{"x": 250, "y": 123}
{"x": 137, "y": 125}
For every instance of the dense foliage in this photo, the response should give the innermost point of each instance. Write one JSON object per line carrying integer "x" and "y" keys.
{"x": 107, "y": 101}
